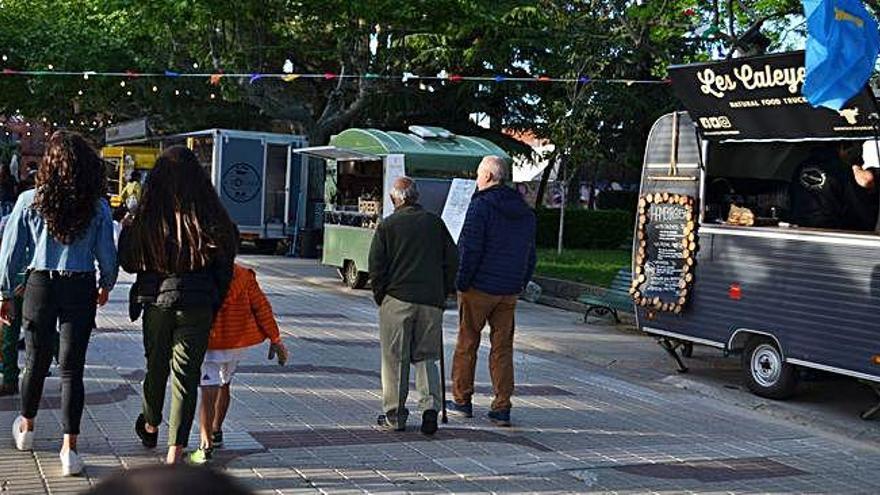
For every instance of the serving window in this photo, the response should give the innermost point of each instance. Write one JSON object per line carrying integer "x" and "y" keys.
{"x": 804, "y": 185}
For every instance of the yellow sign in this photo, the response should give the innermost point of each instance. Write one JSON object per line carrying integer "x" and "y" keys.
{"x": 842, "y": 15}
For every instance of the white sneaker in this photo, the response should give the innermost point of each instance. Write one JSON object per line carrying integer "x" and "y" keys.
{"x": 71, "y": 463}
{"x": 24, "y": 440}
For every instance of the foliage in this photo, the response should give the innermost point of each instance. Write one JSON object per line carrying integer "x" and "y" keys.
{"x": 592, "y": 124}
{"x": 586, "y": 229}
{"x": 589, "y": 266}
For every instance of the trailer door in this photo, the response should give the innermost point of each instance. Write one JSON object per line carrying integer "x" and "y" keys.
{"x": 241, "y": 182}
{"x": 275, "y": 202}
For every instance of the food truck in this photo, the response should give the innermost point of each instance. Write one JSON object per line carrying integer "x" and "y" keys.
{"x": 717, "y": 257}
{"x": 120, "y": 162}
{"x": 259, "y": 179}
{"x": 361, "y": 165}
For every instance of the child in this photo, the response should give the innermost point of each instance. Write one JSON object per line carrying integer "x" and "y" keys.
{"x": 244, "y": 321}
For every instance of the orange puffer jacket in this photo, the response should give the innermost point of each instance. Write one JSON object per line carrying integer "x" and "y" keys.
{"x": 246, "y": 316}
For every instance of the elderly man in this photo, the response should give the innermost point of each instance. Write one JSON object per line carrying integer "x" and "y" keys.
{"x": 497, "y": 248}
{"x": 413, "y": 262}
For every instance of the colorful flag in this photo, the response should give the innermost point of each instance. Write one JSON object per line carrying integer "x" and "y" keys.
{"x": 842, "y": 47}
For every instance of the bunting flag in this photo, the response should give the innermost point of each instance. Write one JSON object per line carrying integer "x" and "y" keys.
{"x": 215, "y": 78}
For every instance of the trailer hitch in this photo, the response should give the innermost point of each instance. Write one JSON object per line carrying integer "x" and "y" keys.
{"x": 671, "y": 348}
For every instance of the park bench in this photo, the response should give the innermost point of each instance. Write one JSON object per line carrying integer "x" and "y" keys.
{"x": 612, "y": 299}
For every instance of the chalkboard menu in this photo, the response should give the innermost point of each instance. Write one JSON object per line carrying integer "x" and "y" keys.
{"x": 665, "y": 253}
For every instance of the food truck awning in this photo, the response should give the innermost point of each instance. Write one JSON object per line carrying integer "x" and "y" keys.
{"x": 337, "y": 153}
{"x": 759, "y": 99}
{"x": 434, "y": 153}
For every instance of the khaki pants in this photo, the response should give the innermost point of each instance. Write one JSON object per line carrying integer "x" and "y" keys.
{"x": 475, "y": 309}
{"x": 409, "y": 334}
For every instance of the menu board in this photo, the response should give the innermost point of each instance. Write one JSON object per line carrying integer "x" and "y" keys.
{"x": 665, "y": 255}
{"x": 394, "y": 168}
{"x": 457, "y": 202}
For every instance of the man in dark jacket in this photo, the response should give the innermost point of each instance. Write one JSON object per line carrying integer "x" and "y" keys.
{"x": 413, "y": 261}
{"x": 497, "y": 259}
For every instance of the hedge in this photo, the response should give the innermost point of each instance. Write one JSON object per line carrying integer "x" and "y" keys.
{"x": 586, "y": 229}
{"x": 618, "y": 200}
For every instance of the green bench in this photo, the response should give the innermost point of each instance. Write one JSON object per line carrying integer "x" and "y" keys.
{"x": 612, "y": 299}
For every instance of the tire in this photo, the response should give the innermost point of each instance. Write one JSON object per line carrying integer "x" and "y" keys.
{"x": 765, "y": 372}
{"x": 353, "y": 278}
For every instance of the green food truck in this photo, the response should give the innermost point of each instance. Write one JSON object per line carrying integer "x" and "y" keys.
{"x": 361, "y": 165}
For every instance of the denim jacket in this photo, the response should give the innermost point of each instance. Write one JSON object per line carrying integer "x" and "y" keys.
{"x": 28, "y": 243}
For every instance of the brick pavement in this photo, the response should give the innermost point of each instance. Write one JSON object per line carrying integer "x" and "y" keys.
{"x": 307, "y": 428}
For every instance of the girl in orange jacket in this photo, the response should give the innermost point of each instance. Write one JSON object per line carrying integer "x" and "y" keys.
{"x": 245, "y": 320}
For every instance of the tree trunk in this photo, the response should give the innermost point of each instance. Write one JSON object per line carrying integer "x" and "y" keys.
{"x": 542, "y": 186}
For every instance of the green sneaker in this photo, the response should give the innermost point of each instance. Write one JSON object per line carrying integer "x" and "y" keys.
{"x": 201, "y": 456}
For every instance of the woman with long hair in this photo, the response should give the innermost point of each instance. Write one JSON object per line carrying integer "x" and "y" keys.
{"x": 57, "y": 232}
{"x": 181, "y": 244}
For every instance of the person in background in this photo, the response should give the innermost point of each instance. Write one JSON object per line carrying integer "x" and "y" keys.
{"x": 497, "y": 248}
{"x": 412, "y": 269}
{"x": 245, "y": 320}
{"x": 7, "y": 190}
{"x": 181, "y": 243}
{"x": 58, "y": 231}
{"x": 12, "y": 332}
{"x": 131, "y": 193}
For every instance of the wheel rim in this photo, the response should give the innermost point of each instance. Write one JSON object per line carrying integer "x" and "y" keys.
{"x": 766, "y": 365}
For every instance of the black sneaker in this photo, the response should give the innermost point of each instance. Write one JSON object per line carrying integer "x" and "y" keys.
{"x": 500, "y": 417}
{"x": 429, "y": 422}
{"x": 456, "y": 409}
{"x": 217, "y": 438}
{"x": 388, "y": 425}
{"x": 148, "y": 439}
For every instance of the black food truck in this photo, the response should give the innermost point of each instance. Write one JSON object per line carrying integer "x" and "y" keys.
{"x": 753, "y": 234}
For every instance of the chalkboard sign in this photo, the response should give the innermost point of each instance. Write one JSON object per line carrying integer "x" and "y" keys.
{"x": 665, "y": 255}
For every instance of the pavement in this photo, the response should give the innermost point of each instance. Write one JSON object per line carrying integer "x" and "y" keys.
{"x": 598, "y": 409}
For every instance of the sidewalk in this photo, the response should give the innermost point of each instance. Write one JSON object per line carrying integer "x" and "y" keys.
{"x": 598, "y": 418}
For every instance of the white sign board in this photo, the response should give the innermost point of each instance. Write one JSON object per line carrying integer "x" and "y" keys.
{"x": 394, "y": 168}
{"x": 456, "y": 206}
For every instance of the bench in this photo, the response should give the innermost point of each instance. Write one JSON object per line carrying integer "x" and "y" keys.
{"x": 610, "y": 300}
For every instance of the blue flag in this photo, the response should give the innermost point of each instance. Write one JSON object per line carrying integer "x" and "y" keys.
{"x": 842, "y": 47}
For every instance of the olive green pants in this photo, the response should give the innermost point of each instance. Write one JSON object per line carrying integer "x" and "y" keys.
{"x": 175, "y": 342}
{"x": 409, "y": 334}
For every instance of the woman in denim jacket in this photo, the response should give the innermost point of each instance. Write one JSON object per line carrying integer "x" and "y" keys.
{"x": 57, "y": 232}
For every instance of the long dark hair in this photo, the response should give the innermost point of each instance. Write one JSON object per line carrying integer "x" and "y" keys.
{"x": 180, "y": 225}
{"x": 70, "y": 182}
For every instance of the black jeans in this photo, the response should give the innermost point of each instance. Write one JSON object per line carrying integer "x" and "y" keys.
{"x": 66, "y": 302}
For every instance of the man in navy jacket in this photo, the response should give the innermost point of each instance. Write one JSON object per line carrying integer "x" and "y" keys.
{"x": 496, "y": 261}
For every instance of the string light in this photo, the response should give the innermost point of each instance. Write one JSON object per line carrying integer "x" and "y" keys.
{"x": 51, "y": 67}
{"x": 155, "y": 88}
{"x": 5, "y": 58}
{"x": 122, "y": 83}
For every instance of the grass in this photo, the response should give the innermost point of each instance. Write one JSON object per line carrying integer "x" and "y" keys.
{"x": 589, "y": 266}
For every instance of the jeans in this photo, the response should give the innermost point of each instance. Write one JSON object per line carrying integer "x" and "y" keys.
{"x": 66, "y": 303}
{"x": 475, "y": 309}
{"x": 409, "y": 334}
{"x": 175, "y": 341}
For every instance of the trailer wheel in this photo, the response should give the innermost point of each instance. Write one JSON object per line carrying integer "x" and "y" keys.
{"x": 766, "y": 373}
{"x": 352, "y": 277}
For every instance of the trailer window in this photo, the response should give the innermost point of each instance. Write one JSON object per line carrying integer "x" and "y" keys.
{"x": 808, "y": 184}
{"x": 356, "y": 193}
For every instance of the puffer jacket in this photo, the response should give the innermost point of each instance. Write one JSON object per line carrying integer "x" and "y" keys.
{"x": 246, "y": 318}
{"x": 497, "y": 243}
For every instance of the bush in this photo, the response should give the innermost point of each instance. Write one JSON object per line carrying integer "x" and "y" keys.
{"x": 618, "y": 200}
{"x": 586, "y": 229}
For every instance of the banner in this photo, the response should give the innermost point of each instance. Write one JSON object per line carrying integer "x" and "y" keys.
{"x": 760, "y": 99}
